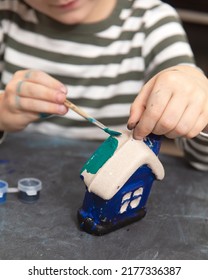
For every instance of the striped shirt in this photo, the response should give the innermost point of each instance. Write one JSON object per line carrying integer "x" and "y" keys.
{"x": 195, "y": 151}
{"x": 103, "y": 65}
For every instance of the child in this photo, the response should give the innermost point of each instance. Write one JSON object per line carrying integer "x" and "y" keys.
{"x": 99, "y": 54}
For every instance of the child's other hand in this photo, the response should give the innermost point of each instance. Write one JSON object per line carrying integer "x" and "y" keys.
{"x": 27, "y": 95}
{"x": 173, "y": 103}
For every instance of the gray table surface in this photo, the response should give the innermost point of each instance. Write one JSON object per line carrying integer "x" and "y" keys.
{"x": 175, "y": 227}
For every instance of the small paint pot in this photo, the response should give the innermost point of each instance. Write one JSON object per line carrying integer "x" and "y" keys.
{"x": 29, "y": 189}
{"x": 3, "y": 191}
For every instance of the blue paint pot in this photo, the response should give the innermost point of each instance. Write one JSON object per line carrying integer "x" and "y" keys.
{"x": 3, "y": 191}
{"x": 29, "y": 189}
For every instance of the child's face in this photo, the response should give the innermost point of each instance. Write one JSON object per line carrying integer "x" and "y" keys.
{"x": 73, "y": 11}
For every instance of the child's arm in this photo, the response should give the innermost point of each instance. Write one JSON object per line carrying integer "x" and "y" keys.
{"x": 26, "y": 96}
{"x": 173, "y": 103}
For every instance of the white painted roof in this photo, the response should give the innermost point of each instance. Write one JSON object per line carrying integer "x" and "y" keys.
{"x": 129, "y": 156}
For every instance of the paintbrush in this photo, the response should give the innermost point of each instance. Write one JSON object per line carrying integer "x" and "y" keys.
{"x": 90, "y": 119}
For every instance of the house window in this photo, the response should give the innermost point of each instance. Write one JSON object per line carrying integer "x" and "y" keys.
{"x": 131, "y": 200}
{"x": 127, "y": 196}
{"x": 134, "y": 203}
{"x": 124, "y": 207}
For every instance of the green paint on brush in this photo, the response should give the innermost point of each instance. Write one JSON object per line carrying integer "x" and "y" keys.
{"x": 112, "y": 132}
{"x": 107, "y": 130}
{"x": 101, "y": 155}
{"x": 92, "y": 120}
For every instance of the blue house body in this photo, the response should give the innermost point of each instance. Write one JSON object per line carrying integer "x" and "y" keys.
{"x": 99, "y": 216}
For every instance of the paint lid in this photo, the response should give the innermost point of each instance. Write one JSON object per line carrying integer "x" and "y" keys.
{"x": 3, "y": 186}
{"x": 31, "y": 186}
{"x": 3, "y": 190}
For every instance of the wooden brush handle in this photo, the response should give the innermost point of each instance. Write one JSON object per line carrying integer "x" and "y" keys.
{"x": 90, "y": 119}
{"x": 76, "y": 109}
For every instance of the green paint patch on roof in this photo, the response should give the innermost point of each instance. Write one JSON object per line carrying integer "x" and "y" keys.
{"x": 101, "y": 155}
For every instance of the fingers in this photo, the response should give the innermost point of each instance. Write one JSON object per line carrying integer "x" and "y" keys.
{"x": 186, "y": 123}
{"x": 39, "y": 77}
{"x": 186, "y": 115}
{"x": 148, "y": 108}
{"x": 155, "y": 108}
{"x": 29, "y": 95}
{"x": 137, "y": 109}
{"x": 171, "y": 118}
{"x": 139, "y": 105}
{"x": 177, "y": 117}
{"x": 36, "y": 91}
{"x": 173, "y": 103}
{"x": 34, "y": 105}
{"x": 198, "y": 126}
{"x": 26, "y": 88}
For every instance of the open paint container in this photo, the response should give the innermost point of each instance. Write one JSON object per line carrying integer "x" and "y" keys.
{"x": 3, "y": 191}
{"x": 29, "y": 189}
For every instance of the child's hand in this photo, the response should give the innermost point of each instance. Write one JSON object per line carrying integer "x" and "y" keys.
{"x": 26, "y": 96}
{"x": 173, "y": 103}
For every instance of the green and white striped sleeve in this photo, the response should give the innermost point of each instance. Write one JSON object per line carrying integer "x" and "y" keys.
{"x": 195, "y": 151}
